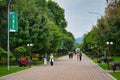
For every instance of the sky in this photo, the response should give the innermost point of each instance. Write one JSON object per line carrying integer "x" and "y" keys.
{"x": 81, "y": 15}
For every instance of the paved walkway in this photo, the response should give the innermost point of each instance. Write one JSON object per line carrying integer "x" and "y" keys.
{"x": 63, "y": 69}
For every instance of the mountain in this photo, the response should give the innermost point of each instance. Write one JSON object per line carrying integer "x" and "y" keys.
{"x": 79, "y": 40}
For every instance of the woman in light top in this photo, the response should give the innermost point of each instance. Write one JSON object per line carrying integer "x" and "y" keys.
{"x": 51, "y": 59}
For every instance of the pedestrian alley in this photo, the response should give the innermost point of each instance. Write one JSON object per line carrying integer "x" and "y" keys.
{"x": 63, "y": 69}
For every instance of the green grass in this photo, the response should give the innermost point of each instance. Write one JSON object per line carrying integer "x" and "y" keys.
{"x": 94, "y": 60}
{"x": 116, "y": 75}
{"x": 116, "y": 59}
{"x": 4, "y": 71}
{"x": 102, "y": 64}
{"x": 36, "y": 63}
{"x": 105, "y": 67}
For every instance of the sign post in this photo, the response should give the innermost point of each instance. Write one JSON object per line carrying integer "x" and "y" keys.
{"x": 12, "y": 27}
{"x": 13, "y": 22}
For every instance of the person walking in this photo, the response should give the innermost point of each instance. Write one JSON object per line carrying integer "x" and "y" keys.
{"x": 69, "y": 53}
{"x": 80, "y": 56}
{"x": 45, "y": 59}
{"x": 51, "y": 59}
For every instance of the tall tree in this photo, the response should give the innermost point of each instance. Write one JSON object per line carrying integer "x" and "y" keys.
{"x": 40, "y": 22}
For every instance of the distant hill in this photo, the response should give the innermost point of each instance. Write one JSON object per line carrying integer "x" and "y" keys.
{"x": 79, "y": 40}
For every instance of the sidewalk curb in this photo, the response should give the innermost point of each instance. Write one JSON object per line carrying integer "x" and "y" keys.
{"x": 102, "y": 69}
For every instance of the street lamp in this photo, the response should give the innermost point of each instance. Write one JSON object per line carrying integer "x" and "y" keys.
{"x": 108, "y": 44}
{"x": 30, "y": 58}
{"x": 95, "y": 13}
{"x": 8, "y": 45}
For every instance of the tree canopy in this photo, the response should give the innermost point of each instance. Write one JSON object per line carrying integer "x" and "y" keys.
{"x": 40, "y": 22}
{"x": 106, "y": 30}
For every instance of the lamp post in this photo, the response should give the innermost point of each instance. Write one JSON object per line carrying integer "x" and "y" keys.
{"x": 8, "y": 32}
{"x": 95, "y": 13}
{"x": 8, "y": 58}
{"x": 109, "y": 44}
{"x": 30, "y": 56}
{"x": 108, "y": 56}
{"x": 8, "y": 45}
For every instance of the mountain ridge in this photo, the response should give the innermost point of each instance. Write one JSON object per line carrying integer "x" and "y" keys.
{"x": 79, "y": 40}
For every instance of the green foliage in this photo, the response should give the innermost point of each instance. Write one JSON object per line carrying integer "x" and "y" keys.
{"x": 20, "y": 49}
{"x": 58, "y": 14}
{"x": 3, "y": 3}
{"x": 107, "y": 29}
{"x": 40, "y": 22}
{"x": 3, "y": 53}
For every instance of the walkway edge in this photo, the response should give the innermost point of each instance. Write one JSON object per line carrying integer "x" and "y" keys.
{"x": 102, "y": 69}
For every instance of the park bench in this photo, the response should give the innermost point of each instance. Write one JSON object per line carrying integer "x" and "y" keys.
{"x": 115, "y": 65}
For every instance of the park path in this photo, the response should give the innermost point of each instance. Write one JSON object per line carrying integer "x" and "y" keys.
{"x": 63, "y": 69}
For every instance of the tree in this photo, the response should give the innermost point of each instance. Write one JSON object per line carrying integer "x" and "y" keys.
{"x": 3, "y": 24}
{"x": 41, "y": 23}
{"x": 107, "y": 29}
{"x": 20, "y": 51}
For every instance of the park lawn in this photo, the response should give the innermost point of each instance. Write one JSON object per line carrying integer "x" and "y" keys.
{"x": 102, "y": 64}
{"x": 116, "y": 75}
{"x": 116, "y": 59}
{"x": 105, "y": 67}
{"x": 4, "y": 71}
